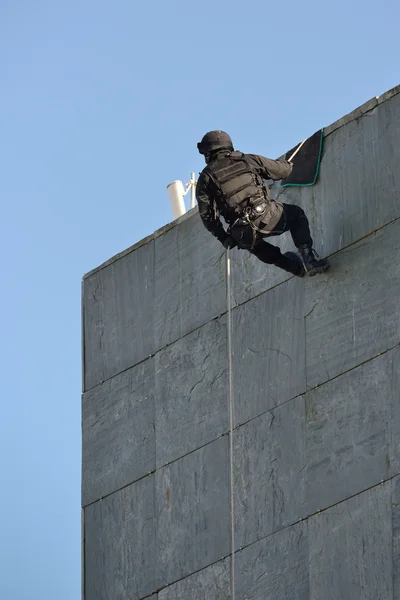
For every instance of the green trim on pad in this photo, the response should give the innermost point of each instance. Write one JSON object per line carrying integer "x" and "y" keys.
{"x": 284, "y": 185}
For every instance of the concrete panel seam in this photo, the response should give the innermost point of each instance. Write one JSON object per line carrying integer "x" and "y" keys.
{"x": 318, "y": 512}
{"x": 357, "y": 113}
{"x": 120, "y": 372}
{"x": 364, "y": 237}
{"x": 362, "y": 110}
{"x": 371, "y": 487}
{"x": 304, "y": 520}
{"x": 226, "y": 433}
{"x": 383, "y": 481}
{"x": 364, "y": 362}
{"x": 146, "y": 240}
{"x": 149, "y": 474}
{"x": 305, "y": 392}
{"x": 164, "y": 587}
{"x": 330, "y": 255}
{"x": 155, "y": 353}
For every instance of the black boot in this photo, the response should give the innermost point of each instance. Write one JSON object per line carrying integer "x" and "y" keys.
{"x": 292, "y": 263}
{"x": 313, "y": 264}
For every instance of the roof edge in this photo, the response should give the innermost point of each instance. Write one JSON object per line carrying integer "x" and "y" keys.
{"x": 361, "y": 110}
{"x": 143, "y": 241}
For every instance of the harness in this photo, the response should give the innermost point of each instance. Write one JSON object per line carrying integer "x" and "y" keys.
{"x": 239, "y": 188}
{"x": 241, "y": 197}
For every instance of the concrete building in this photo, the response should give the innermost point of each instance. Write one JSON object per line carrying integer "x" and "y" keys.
{"x": 316, "y": 382}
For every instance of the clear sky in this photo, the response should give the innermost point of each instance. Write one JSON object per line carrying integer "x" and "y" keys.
{"x": 101, "y": 106}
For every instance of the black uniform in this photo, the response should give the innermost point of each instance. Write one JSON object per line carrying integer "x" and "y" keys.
{"x": 249, "y": 198}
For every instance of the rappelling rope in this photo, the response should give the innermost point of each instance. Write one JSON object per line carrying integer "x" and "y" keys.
{"x": 231, "y": 402}
{"x": 299, "y": 147}
{"x": 231, "y": 415}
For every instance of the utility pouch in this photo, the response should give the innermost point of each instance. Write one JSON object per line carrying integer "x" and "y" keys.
{"x": 243, "y": 233}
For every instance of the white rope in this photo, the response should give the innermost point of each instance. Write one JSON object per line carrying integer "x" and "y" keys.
{"x": 296, "y": 151}
{"x": 231, "y": 415}
{"x": 283, "y": 189}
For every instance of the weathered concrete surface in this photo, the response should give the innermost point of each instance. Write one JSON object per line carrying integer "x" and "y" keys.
{"x": 268, "y": 350}
{"x": 394, "y": 430}
{"x": 212, "y": 583}
{"x": 349, "y": 425}
{"x": 251, "y": 277}
{"x": 351, "y": 548}
{"x": 119, "y": 316}
{"x": 269, "y": 470}
{"x": 354, "y": 115}
{"x": 353, "y": 313}
{"x": 396, "y": 536}
{"x": 161, "y": 231}
{"x": 192, "y": 406}
{"x": 359, "y": 184}
{"x": 118, "y": 437}
{"x": 298, "y": 447}
{"x": 193, "y": 512}
{"x": 275, "y": 568}
{"x": 190, "y": 280}
{"x": 120, "y": 533}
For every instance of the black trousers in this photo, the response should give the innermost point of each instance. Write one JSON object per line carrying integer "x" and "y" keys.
{"x": 294, "y": 220}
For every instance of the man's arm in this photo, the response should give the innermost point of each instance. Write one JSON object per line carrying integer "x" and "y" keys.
{"x": 269, "y": 168}
{"x": 208, "y": 208}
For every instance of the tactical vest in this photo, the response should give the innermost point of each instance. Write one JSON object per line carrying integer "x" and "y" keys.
{"x": 238, "y": 184}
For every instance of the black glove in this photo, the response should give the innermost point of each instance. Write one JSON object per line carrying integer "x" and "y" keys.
{"x": 229, "y": 242}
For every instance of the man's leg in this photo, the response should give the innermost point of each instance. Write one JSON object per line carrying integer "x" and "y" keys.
{"x": 272, "y": 255}
{"x": 248, "y": 239}
{"x": 297, "y": 224}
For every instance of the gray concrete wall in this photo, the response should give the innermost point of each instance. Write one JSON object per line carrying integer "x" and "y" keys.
{"x": 316, "y": 387}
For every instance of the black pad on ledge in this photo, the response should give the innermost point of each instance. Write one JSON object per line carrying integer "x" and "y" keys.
{"x": 306, "y": 162}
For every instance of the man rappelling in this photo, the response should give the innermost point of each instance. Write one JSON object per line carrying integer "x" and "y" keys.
{"x": 232, "y": 186}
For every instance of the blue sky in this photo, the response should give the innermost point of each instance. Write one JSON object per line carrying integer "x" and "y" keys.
{"x": 101, "y": 106}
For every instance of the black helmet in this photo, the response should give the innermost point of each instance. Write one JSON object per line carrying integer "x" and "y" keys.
{"x": 214, "y": 140}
